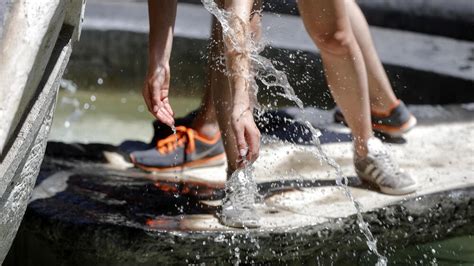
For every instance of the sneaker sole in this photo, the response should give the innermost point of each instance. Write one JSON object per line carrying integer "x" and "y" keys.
{"x": 388, "y": 190}
{"x": 202, "y": 163}
{"x": 391, "y": 131}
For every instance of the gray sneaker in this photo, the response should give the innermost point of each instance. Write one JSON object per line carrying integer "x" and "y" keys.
{"x": 395, "y": 123}
{"x": 380, "y": 169}
{"x": 238, "y": 209}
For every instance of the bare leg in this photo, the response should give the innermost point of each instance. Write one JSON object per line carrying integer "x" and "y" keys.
{"x": 206, "y": 122}
{"x": 327, "y": 22}
{"x": 381, "y": 93}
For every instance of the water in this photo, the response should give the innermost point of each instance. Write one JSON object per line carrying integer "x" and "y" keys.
{"x": 110, "y": 113}
{"x": 265, "y": 71}
{"x": 71, "y": 88}
{"x": 173, "y": 128}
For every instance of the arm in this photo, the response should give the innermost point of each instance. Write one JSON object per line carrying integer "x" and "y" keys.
{"x": 238, "y": 65}
{"x": 162, "y": 15}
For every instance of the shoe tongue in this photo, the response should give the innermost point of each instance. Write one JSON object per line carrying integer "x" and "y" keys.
{"x": 375, "y": 146}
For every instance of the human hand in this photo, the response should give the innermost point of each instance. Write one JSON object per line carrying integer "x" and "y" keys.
{"x": 155, "y": 92}
{"x": 246, "y": 134}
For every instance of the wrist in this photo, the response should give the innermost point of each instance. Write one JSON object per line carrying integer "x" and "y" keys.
{"x": 240, "y": 109}
{"x": 155, "y": 66}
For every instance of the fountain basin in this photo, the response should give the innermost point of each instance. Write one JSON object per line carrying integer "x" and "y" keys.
{"x": 89, "y": 206}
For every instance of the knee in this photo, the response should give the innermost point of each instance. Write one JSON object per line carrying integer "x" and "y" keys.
{"x": 337, "y": 43}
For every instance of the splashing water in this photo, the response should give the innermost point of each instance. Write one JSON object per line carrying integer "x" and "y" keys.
{"x": 264, "y": 70}
{"x": 342, "y": 181}
{"x": 173, "y": 128}
{"x": 76, "y": 114}
{"x": 271, "y": 77}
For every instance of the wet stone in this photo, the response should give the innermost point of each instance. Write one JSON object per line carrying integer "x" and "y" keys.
{"x": 103, "y": 216}
{"x": 90, "y": 206}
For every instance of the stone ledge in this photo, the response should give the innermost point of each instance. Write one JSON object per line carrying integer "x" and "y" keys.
{"x": 90, "y": 207}
{"x": 49, "y": 239}
{"x": 22, "y": 162}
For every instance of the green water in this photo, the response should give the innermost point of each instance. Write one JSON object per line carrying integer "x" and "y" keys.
{"x": 451, "y": 251}
{"x": 109, "y": 114}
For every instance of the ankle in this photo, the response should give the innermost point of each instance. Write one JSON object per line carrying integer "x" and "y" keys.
{"x": 360, "y": 151}
{"x": 361, "y": 146}
{"x": 205, "y": 123}
{"x": 384, "y": 109}
{"x": 206, "y": 129}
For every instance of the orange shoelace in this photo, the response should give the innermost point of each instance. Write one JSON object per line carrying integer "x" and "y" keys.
{"x": 170, "y": 144}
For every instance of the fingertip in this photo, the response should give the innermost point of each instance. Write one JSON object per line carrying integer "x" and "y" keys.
{"x": 169, "y": 109}
{"x": 243, "y": 152}
{"x": 171, "y": 122}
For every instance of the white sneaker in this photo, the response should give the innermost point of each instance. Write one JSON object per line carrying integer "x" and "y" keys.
{"x": 238, "y": 209}
{"x": 380, "y": 169}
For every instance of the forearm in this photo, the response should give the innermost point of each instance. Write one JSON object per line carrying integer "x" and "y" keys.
{"x": 162, "y": 15}
{"x": 237, "y": 52}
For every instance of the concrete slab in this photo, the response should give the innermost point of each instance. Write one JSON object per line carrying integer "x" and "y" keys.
{"x": 146, "y": 218}
{"x": 5, "y": 7}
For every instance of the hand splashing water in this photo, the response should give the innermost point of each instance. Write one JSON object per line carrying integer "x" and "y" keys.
{"x": 271, "y": 77}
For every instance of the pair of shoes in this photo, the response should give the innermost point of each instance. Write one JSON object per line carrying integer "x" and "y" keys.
{"x": 238, "y": 208}
{"x": 397, "y": 121}
{"x": 380, "y": 169}
{"x": 187, "y": 149}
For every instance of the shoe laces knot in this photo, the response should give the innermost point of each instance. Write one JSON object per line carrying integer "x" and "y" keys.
{"x": 184, "y": 137}
{"x": 388, "y": 164}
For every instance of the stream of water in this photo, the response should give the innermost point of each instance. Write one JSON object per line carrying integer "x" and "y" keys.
{"x": 273, "y": 78}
